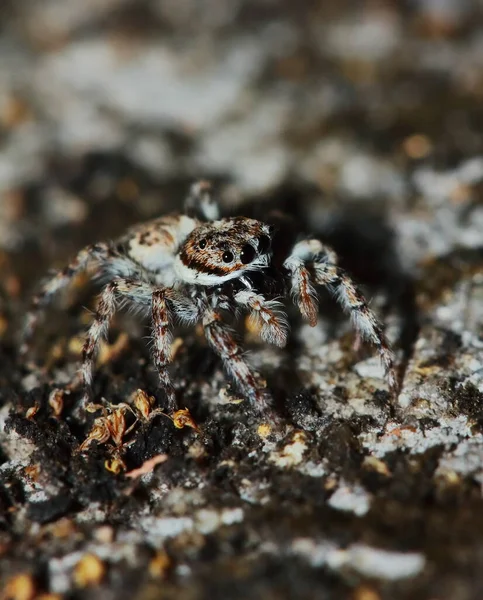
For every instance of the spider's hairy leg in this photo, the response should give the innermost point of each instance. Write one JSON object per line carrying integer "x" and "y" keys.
{"x": 303, "y": 291}
{"x": 120, "y": 288}
{"x": 340, "y": 285}
{"x": 363, "y": 318}
{"x": 200, "y": 202}
{"x": 220, "y": 338}
{"x": 99, "y": 252}
{"x": 162, "y": 338}
{"x": 186, "y": 311}
{"x": 267, "y": 316}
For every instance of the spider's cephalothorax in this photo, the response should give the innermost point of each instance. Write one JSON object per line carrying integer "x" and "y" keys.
{"x": 222, "y": 250}
{"x": 180, "y": 268}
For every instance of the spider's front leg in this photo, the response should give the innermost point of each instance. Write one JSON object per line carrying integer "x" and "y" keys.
{"x": 120, "y": 288}
{"x": 312, "y": 257}
{"x": 267, "y": 316}
{"x": 200, "y": 202}
{"x": 220, "y": 338}
{"x": 95, "y": 252}
{"x": 303, "y": 255}
{"x": 139, "y": 293}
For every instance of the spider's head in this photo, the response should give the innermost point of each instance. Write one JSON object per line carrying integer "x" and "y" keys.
{"x": 223, "y": 250}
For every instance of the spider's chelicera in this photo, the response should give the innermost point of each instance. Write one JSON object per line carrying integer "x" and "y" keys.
{"x": 192, "y": 268}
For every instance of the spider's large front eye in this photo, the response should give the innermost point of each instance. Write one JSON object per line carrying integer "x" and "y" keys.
{"x": 227, "y": 256}
{"x": 247, "y": 254}
{"x": 202, "y": 244}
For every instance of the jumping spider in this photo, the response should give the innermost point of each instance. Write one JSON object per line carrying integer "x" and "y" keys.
{"x": 194, "y": 266}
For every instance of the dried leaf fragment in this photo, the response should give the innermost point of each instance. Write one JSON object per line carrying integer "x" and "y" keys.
{"x": 99, "y": 433}
{"x": 176, "y": 346}
{"x": 89, "y": 571}
{"x": 147, "y": 466}
{"x": 32, "y": 471}
{"x": 112, "y": 425}
{"x": 160, "y": 565}
{"x": 32, "y": 411}
{"x": 182, "y": 418}
{"x": 15, "y": 111}
{"x": 115, "y": 465}
{"x": 116, "y": 423}
{"x": 143, "y": 403}
{"x": 365, "y": 592}
{"x": 56, "y": 401}
{"x": 264, "y": 430}
{"x": 376, "y": 464}
{"x": 417, "y": 146}
{"x": 19, "y": 587}
{"x": 109, "y": 352}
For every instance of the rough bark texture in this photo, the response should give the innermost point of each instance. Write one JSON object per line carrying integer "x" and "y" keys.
{"x": 363, "y": 122}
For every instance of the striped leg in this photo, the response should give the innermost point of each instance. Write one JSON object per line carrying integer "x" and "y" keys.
{"x": 322, "y": 260}
{"x": 267, "y": 316}
{"x": 139, "y": 294}
{"x": 136, "y": 292}
{"x": 220, "y": 338}
{"x": 303, "y": 291}
{"x": 95, "y": 252}
{"x": 162, "y": 339}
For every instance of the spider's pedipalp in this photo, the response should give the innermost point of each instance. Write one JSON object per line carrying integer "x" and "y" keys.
{"x": 200, "y": 202}
{"x": 220, "y": 338}
{"x": 185, "y": 309}
{"x": 95, "y": 252}
{"x": 267, "y": 316}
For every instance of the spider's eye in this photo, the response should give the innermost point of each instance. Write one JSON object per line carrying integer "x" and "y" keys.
{"x": 202, "y": 244}
{"x": 263, "y": 243}
{"x": 227, "y": 256}
{"x": 247, "y": 254}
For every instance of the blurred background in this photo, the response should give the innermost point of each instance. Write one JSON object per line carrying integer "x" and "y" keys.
{"x": 109, "y": 108}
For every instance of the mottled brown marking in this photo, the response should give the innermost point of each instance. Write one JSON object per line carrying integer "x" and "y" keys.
{"x": 151, "y": 237}
{"x": 229, "y": 235}
{"x": 351, "y": 292}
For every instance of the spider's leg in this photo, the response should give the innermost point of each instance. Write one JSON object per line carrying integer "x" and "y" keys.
{"x": 120, "y": 288}
{"x": 96, "y": 252}
{"x": 139, "y": 294}
{"x": 162, "y": 339}
{"x": 186, "y": 311}
{"x": 268, "y": 316}
{"x": 297, "y": 263}
{"x": 322, "y": 261}
{"x": 200, "y": 202}
{"x": 220, "y": 338}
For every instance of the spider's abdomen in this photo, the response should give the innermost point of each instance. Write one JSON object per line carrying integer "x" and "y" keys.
{"x": 154, "y": 244}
